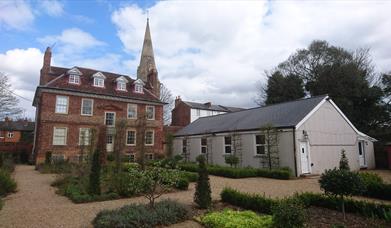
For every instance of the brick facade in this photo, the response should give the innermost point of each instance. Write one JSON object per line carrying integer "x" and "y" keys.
{"x": 180, "y": 114}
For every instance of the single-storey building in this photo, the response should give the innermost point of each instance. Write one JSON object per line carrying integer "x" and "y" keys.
{"x": 309, "y": 137}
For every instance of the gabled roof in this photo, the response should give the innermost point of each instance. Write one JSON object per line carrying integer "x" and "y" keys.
{"x": 59, "y": 81}
{"x": 17, "y": 125}
{"x": 283, "y": 115}
{"x": 212, "y": 107}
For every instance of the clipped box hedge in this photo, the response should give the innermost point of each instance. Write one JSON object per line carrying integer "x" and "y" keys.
{"x": 264, "y": 204}
{"x": 225, "y": 171}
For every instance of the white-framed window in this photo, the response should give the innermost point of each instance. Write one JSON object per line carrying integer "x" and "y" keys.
{"x": 132, "y": 111}
{"x": 227, "y": 144}
{"x": 121, "y": 85}
{"x": 260, "y": 144}
{"x": 62, "y": 104}
{"x": 99, "y": 82}
{"x": 130, "y": 137}
{"x": 149, "y": 137}
{"x": 10, "y": 134}
{"x": 131, "y": 157}
{"x": 74, "y": 79}
{"x": 87, "y": 107}
{"x": 138, "y": 88}
{"x": 60, "y": 136}
{"x": 84, "y": 136}
{"x": 184, "y": 146}
{"x": 204, "y": 145}
{"x": 109, "y": 118}
{"x": 149, "y": 156}
{"x": 150, "y": 110}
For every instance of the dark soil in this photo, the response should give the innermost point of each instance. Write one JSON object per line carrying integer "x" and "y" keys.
{"x": 322, "y": 217}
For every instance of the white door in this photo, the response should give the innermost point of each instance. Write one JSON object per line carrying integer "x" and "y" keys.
{"x": 109, "y": 143}
{"x": 361, "y": 154}
{"x": 305, "y": 165}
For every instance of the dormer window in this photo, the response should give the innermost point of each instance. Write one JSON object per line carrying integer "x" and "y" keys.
{"x": 99, "y": 79}
{"x": 121, "y": 83}
{"x": 138, "y": 86}
{"x": 74, "y": 75}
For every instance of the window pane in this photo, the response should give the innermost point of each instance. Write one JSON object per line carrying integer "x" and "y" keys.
{"x": 227, "y": 149}
{"x": 149, "y": 137}
{"x": 227, "y": 140}
{"x": 87, "y": 107}
{"x": 150, "y": 112}
{"x": 204, "y": 149}
{"x": 110, "y": 119}
{"x": 260, "y": 149}
{"x": 131, "y": 138}
{"x": 260, "y": 139}
{"x": 61, "y": 104}
{"x": 59, "y": 136}
{"x": 203, "y": 141}
{"x": 132, "y": 111}
{"x": 84, "y": 136}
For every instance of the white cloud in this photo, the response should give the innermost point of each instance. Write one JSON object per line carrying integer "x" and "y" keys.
{"x": 15, "y": 15}
{"x": 219, "y": 50}
{"x": 53, "y": 8}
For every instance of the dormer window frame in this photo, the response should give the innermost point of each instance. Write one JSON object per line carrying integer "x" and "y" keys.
{"x": 121, "y": 83}
{"x": 74, "y": 76}
{"x": 99, "y": 80}
{"x": 139, "y": 86}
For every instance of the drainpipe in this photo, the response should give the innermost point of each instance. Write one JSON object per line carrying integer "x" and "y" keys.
{"x": 294, "y": 149}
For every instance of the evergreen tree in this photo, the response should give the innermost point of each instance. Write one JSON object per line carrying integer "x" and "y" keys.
{"x": 282, "y": 88}
{"x": 344, "y": 162}
{"x": 202, "y": 195}
{"x": 94, "y": 181}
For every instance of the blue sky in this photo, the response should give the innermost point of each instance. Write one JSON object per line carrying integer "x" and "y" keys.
{"x": 213, "y": 51}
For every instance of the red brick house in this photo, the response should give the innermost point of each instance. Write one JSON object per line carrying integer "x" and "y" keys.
{"x": 71, "y": 101}
{"x": 16, "y": 137}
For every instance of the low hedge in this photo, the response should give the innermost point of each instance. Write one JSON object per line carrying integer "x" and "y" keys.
{"x": 224, "y": 171}
{"x": 264, "y": 204}
{"x": 164, "y": 213}
{"x": 238, "y": 219}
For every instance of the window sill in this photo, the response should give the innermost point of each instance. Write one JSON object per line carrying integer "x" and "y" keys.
{"x": 61, "y": 113}
{"x": 149, "y": 145}
{"x": 86, "y": 115}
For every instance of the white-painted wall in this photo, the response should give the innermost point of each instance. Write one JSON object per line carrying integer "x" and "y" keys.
{"x": 197, "y": 113}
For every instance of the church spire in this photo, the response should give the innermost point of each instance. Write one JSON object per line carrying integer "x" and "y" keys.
{"x": 147, "y": 60}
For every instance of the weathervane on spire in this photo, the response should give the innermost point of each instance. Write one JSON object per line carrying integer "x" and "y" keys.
{"x": 147, "y": 15}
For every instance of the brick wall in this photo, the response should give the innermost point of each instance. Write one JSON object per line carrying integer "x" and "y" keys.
{"x": 48, "y": 119}
{"x": 4, "y": 137}
{"x": 180, "y": 115}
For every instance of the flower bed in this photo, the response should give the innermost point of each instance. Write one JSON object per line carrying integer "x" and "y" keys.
{"x": 239, "y": 219}
{"x": 165, "y": 212}
{"x": 224, "y": 171}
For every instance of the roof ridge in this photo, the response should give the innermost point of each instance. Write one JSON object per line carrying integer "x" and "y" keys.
{"x": 285, "y": 102}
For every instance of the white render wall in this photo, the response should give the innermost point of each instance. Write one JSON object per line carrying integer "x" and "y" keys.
{"x": 216, "y": 148}
{"x": 202, "y": 113}
{"x": 329, "y": 133}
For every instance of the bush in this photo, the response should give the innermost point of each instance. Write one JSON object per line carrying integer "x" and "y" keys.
{"x": 202, "y": 195}
{"x": 374, "y": 186}
{"x": 1, "y": 204}
{"x": 256, "y": 203}
{"x": 344, "y": 162}
{"x": 191, "y": 177}
{"x": 7, "y": 184}
{"x": 224, "y": 171}
{"x": 289, "y": 212}
{"x": 370, "y": 178}
{"x": 126, "y": 184}
{"x": 238, "y": 219}
{"x": 165, "y": 213}
{"x": 182, "y": 184}
{"x": 232, "y": 160}
{"x": 7, "y": 162}
{"x": 57, "y": 166}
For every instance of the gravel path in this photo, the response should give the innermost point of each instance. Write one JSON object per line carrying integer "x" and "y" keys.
{"x": 37, "y": 205}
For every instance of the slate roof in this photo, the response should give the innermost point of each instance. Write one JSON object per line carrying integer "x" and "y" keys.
{"x": 86, "y": 84}
{"x": 213, "y": 107}
{"x": 17, "y": 126}
{"x": 283, "y": 115}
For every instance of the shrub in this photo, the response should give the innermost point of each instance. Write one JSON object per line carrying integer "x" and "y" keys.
{"x": 126, "y": 184}
{"x": 48, "y": 157}
{"x": 289, "y": 212}
{"x": 165, "y": 212}
{"x": 110, "y": 157}
{"x": 224, "y": 171}
{"x": 341, "y": 183}
{"x": 374, "y": 186}
{"x": 7, "y": 162}
{"x": 370, "y": 178}
{"x": 238, "y": 219}
{"x": 202, "y": 195}
{"x": 344, "y": 162}
{"x": 57, "y": 166}
{"x": 182, "y": 184}
{"x": 7, "y": 184}
{"x": 232, "y": 160}
{"x": 191, "y": 177}
{"x": 94, "y": 181}
{"x": 256, "y": 203}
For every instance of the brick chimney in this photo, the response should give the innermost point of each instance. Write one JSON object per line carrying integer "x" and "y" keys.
{"x": 47, "y": 57}
{"x": 208, "y": 104}
{"x": 178, "y": 100}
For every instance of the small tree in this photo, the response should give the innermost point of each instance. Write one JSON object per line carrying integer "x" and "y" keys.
{"x": 154, "y": 182}
{"x": 119, "y": 143}
{"x": 232, "y": 160}
{"x": 344, "y": 162}
{"x": 202, "y": 195}
{"x": 271, "y": 160}
{"x": 341, "y": 183}
{"x": 169, "y": 144}
{"x": 140, "y": 142}
{"x": 94, "y": 181}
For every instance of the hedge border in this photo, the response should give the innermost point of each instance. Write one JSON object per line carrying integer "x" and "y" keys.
{"x": 264, "y": 204}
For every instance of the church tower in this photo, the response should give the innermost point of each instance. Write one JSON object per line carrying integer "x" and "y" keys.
{"x": 146, "y": 71}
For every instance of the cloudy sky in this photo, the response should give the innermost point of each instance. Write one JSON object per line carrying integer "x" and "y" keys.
{"x": 205, "y": 50}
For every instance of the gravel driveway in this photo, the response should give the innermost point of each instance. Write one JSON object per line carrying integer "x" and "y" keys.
{"x": 37, "y": 205}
